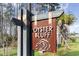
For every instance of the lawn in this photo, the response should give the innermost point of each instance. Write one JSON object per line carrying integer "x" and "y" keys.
{"x": 74, "y": 51}
{"x": 11, "y": 51}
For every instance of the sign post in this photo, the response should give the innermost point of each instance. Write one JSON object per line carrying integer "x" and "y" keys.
{"x": 44, "y": 34}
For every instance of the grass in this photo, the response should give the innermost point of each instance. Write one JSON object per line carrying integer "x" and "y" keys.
{"x": 45, "y": 54}
{"x": 74, "y": 51}
{"x": 11, "y": 52}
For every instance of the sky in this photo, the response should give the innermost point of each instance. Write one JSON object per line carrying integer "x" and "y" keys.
{"x": 73, "y": 8}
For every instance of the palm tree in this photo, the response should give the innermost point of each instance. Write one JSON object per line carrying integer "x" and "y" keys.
{"x": 68, "y": 18}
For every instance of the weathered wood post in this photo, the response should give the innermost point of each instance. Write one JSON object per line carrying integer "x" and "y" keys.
{"x": 27, "y": 43}
{"x": 27, "y": 32}
{"x": 24, "y": 32}
{"x": 21, "y": 32}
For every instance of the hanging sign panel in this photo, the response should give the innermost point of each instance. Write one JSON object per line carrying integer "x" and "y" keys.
{"x": 44, "y": 35}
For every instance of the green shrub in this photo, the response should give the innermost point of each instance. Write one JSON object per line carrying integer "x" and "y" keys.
{"x": 73, "y": 39}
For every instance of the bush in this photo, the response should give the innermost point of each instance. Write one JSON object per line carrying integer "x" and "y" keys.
{"x": 8, "y": 40}
{"x": 73, "y": 39}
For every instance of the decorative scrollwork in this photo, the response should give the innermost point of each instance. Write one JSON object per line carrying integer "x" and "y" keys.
{"x": 42, "y": 45}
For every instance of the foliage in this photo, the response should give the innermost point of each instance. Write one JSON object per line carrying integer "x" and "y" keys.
{"x": 41, "y": 8}
{"x": 7, "y": 32}
{"x": 10, "y": 40}
{"x": 67, "y": 18}
{"x": 73, "y": 39}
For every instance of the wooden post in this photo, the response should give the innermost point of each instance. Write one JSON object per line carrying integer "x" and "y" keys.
{"x": 21, "y": 32}
{"x": 29, "y": 33}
